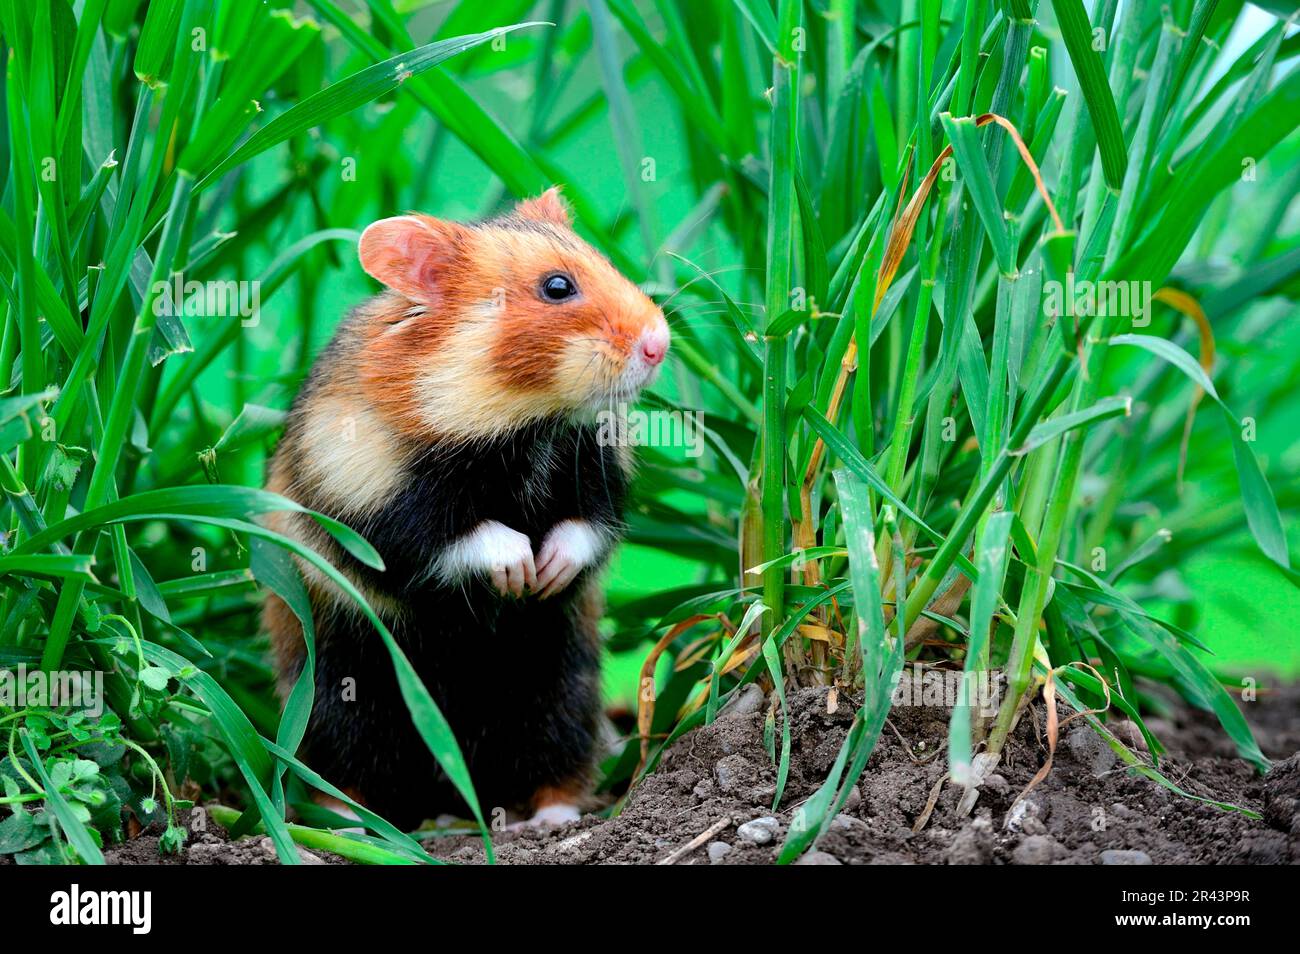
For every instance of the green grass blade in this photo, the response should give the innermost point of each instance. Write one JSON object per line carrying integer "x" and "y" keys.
{"x": 1048, "y": 431}
{"x": 347, "y": 94}
{"x": 775, "y": 667}
{"x": 969, "y": 153}
{"x": 1256, "y": 495}
{"x": 1077, "y": 33}
{"x": 993, "y": 553}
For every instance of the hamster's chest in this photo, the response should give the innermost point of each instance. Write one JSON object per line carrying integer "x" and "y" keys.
{"x": 527, "y": 475}
{"x": 534, "y": 478}
{"x": 530, "y": 483}
{"x": 522, "y": 480}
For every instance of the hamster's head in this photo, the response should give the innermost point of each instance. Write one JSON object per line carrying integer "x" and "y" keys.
{"x": 497, "y": 324}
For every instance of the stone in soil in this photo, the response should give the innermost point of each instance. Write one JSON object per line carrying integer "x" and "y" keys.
{"x": 759, "y": 831}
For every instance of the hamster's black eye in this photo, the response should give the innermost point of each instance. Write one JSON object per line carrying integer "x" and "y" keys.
{"x": 558, "y": 287}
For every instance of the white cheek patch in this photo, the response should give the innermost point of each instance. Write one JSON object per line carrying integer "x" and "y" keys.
{"x": 350, "y": 455}
{"x": 460, "y": 395}
{"x": 491, "y": 548}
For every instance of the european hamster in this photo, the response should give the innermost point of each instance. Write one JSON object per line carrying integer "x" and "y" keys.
{"x": 451, "y": 421}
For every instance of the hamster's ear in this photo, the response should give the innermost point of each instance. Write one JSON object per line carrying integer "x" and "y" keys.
{"x": 547, "y": 207}
{"x": 409, "y": 254}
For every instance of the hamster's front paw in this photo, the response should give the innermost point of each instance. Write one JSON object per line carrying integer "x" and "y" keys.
{"x": 504, "y": 555}
{"x": 570, "y": 546}
{"x": 508, "y": 558}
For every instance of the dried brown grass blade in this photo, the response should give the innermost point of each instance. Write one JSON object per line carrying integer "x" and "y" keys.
{"x": 741, "y": 656}
{"x": 905, "y": 225}
{"x": 1054, "y": 726}
{"x": 923, "y": 819}
{"x": 900, "y": 237}
{"x": 1186, "y": 305}
{"x": 696, "y": 650}
{"x": 945, "y": 605}
{"x": 645, "y": 698}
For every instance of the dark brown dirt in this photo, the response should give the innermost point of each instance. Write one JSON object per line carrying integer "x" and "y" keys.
{"x": 1086, "y": 809}
{"x": 1089, "y": 810}
{"x": 208, "y": 846}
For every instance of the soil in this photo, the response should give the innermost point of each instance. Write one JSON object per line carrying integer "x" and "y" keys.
{"x": 206, "y": 847}
{"x": 1088, "y": 810}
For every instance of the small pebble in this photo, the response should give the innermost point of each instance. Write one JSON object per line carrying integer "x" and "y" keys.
{"x": 718, "y": 850}
{"x": 1035, "y": 850}
{"x": 749, "y": 701}
{"x": 818, "y": 858}
{"x": 1032, "y": 826}
{"x": 848, "y": 823}
{"x": 731, "y": 771}
{"x": 1128, "y": 733}
{"x": 1016, "y": 817}
{"x": 996, "y": 784}
{"x": 1022, "y": 811}
{"x": 853, "y": 801}
{"x": 759, "y": 831}
{"x": 1116, "y": 856}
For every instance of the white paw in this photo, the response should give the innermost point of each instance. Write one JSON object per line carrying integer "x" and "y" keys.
{"x": 550, "y": 816}
{"x": 568, "y": 548}
{"x": 504, "y": 555}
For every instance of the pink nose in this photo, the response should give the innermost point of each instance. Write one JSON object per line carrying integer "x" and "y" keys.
{"x": 654, "y": 345}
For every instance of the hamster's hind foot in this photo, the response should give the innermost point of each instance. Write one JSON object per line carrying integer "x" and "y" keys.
{"x": 554, "y": 805}
{"x": 550, "y": 816}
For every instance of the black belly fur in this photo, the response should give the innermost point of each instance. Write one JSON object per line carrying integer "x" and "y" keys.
{"x": 518, "y": 680}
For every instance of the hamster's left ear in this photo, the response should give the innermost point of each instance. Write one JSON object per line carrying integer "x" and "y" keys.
{"x": 547, "y": 207}
{"x": 411, "y": 254}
